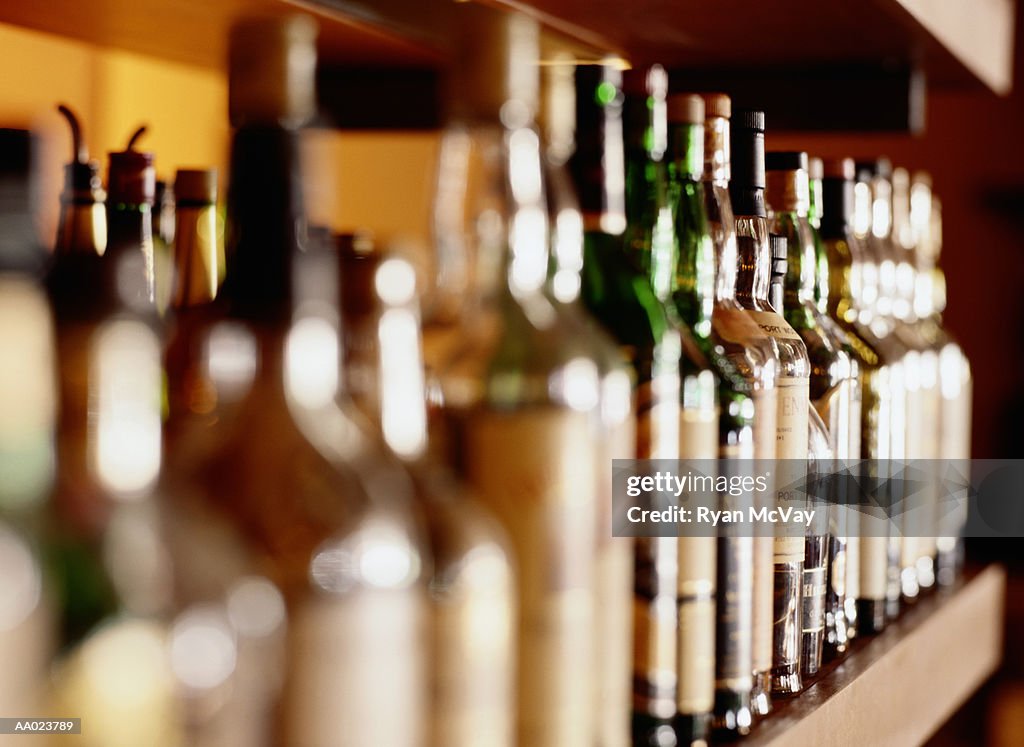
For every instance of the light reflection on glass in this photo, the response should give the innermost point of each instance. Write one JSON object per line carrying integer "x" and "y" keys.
{"x": 255, "y": 607}
{"x": 577, "y": 384}
{"x": 569, "y": 257}
{"x": 202, "y": 648}
{"x": 403, "y": 417}
{"x": 27, "y": 396}
{"x": 311, "y": 370}
{"x": 126, "y": 407}
{"x": 20, "y": 580}
{"x": 379, "y": 555}
{"x": 231, "y": 359}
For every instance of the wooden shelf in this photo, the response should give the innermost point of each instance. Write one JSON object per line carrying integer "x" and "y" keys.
{"x": 899, "y": 687}
{"x": 955, "y": 42}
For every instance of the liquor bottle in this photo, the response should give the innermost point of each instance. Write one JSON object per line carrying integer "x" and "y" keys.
{"x": 617, "y": 436}
{"x": 834, "y": 386}
{"x": 652, "y": 238}
{"x": 27, "y": 420}
{"x": 131, "y": 190}
{"x": 470, "y": 579}
{"x": 519, "y": 400}
{"x": 747, "y": 192}
{"x": 840, "y": 604}
{"x": 82, "y": 227}
{"x": 296, "y": 561}
{"x": 924, "y": 396}
{"x": 873, "y": 226}
{"x": 955, "y": 371}
{"x": 845, "y": 294}
{"x": 621, "y": 299}
{"x": 746, "y": 430}
{"x": 192, "y": 402}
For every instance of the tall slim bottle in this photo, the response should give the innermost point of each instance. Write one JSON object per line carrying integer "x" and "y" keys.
{"x": 873, "y": 226}
{"x": 520, "y": 398}
{"x": 306, "y": 584}
{"x": 834, "y": 388}
{"x": 747, "y": 192}
{"x": 697, "y": 303}
{"x": 471, "y": 579}
{"x": 617, "y": 437}
{"x": 653, "y": 238}
{"x": 746, "y": 584}
{"x": 28, "y": 400}
{"x": 844, "y": 564}
{"x": 621, "y": 299}
{"x": 845, "y": 294}
{"x": 955, "y": 382}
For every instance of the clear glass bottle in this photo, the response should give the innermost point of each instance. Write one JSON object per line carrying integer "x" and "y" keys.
{"x": 653, "y": 204}
{"x": 955, "y": 382}
{"x": 845, "y": 295}
{"x": 519, "y": 401}
{"x": 28, "y": 400}
{"x": 296, "y": 556}
{"x": 835, "y": 389}
{"x": 844, "y": 566}
{"x": 470, "y": 580}
{"x": 561, "y": 112}
{"x": 754, "y": 261}
{"x": 873, "y": 226}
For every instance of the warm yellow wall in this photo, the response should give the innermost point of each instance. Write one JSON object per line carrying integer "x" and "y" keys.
{"x": 380, "y": 181}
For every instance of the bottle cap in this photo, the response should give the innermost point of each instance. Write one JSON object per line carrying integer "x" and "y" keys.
{"x": 717, "y": 105}
{"x": 195, "y": 186}
{"x": 786, "y": 160}
{"x": 838, "y": 168}
{"x": 815, "y": 168}
{"x": 746, "y": 140}
{"x": 686, "y": 108}
{"x": 80, "y": 175}
{"x": 271, "y": 71}
{"x": 868, "y": 169}
{"x": 131, "y": 178}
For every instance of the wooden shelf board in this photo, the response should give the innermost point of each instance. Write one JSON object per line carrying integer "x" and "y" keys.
{"x": 899, "y": 687}
{"x": 956, "y": 42}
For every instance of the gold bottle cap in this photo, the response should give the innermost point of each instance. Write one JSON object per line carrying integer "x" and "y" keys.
{"x": 686, "y": 108}
{"x": 271, "y": 71}
{"x": 717, "y": 105}
{"x": 195, "y": 185}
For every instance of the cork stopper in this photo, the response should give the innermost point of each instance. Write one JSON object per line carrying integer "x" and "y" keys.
{"x": 838, "y": 168}
{"x": 131, "y": 178}
{"x": 815, "y": 168}
{"x": 495, "y": 73}
{"x": 195, "y": 186}
{"x": 686, "y": 108}
{"x": 717, "y": 105}
{"x": 271, "y": 71}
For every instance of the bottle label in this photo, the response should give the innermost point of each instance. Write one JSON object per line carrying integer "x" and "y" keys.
{"x": 765, "y": 413}
{"x": 874, "y": 562}
{"x": 814, "y": 599}
{"x": 774, "y": 325}
{"x": 356, "y": 669}
{"x": 791, "y": 445}
{"x": 472, "y": 664}
{"x": 536, "y": 470}
{"x": 734, "y": 667}
{"x": 696, "y": 631}
{"x": 655, "y": 621}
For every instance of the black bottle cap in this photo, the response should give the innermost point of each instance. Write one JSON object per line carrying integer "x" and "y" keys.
{"x": 746, "y": 141}
{"x": 786, "y": 160}
{"x": 868, "y": 169}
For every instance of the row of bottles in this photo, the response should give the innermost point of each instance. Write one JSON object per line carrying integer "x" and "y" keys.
{"x": 293, "y": 509}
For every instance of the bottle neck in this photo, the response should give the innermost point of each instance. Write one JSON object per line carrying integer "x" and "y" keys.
{"x": 265, "y": 222}
{"x": 82, "y": 228}
{"x": 753, "y": 261}
{"x": 716, "y": 151}
{"x": 129, "y": 253}
{"x": 814, "y": 203}
{"x": 686, "y": 149}
{"x": 837, "y": 208}
{"x": 196, "y": 261}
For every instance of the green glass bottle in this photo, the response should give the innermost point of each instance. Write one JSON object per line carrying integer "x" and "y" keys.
{"x": 695, "y": 300}
{"x": 652, "y": 242}
{"x": 846, "y": 296}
